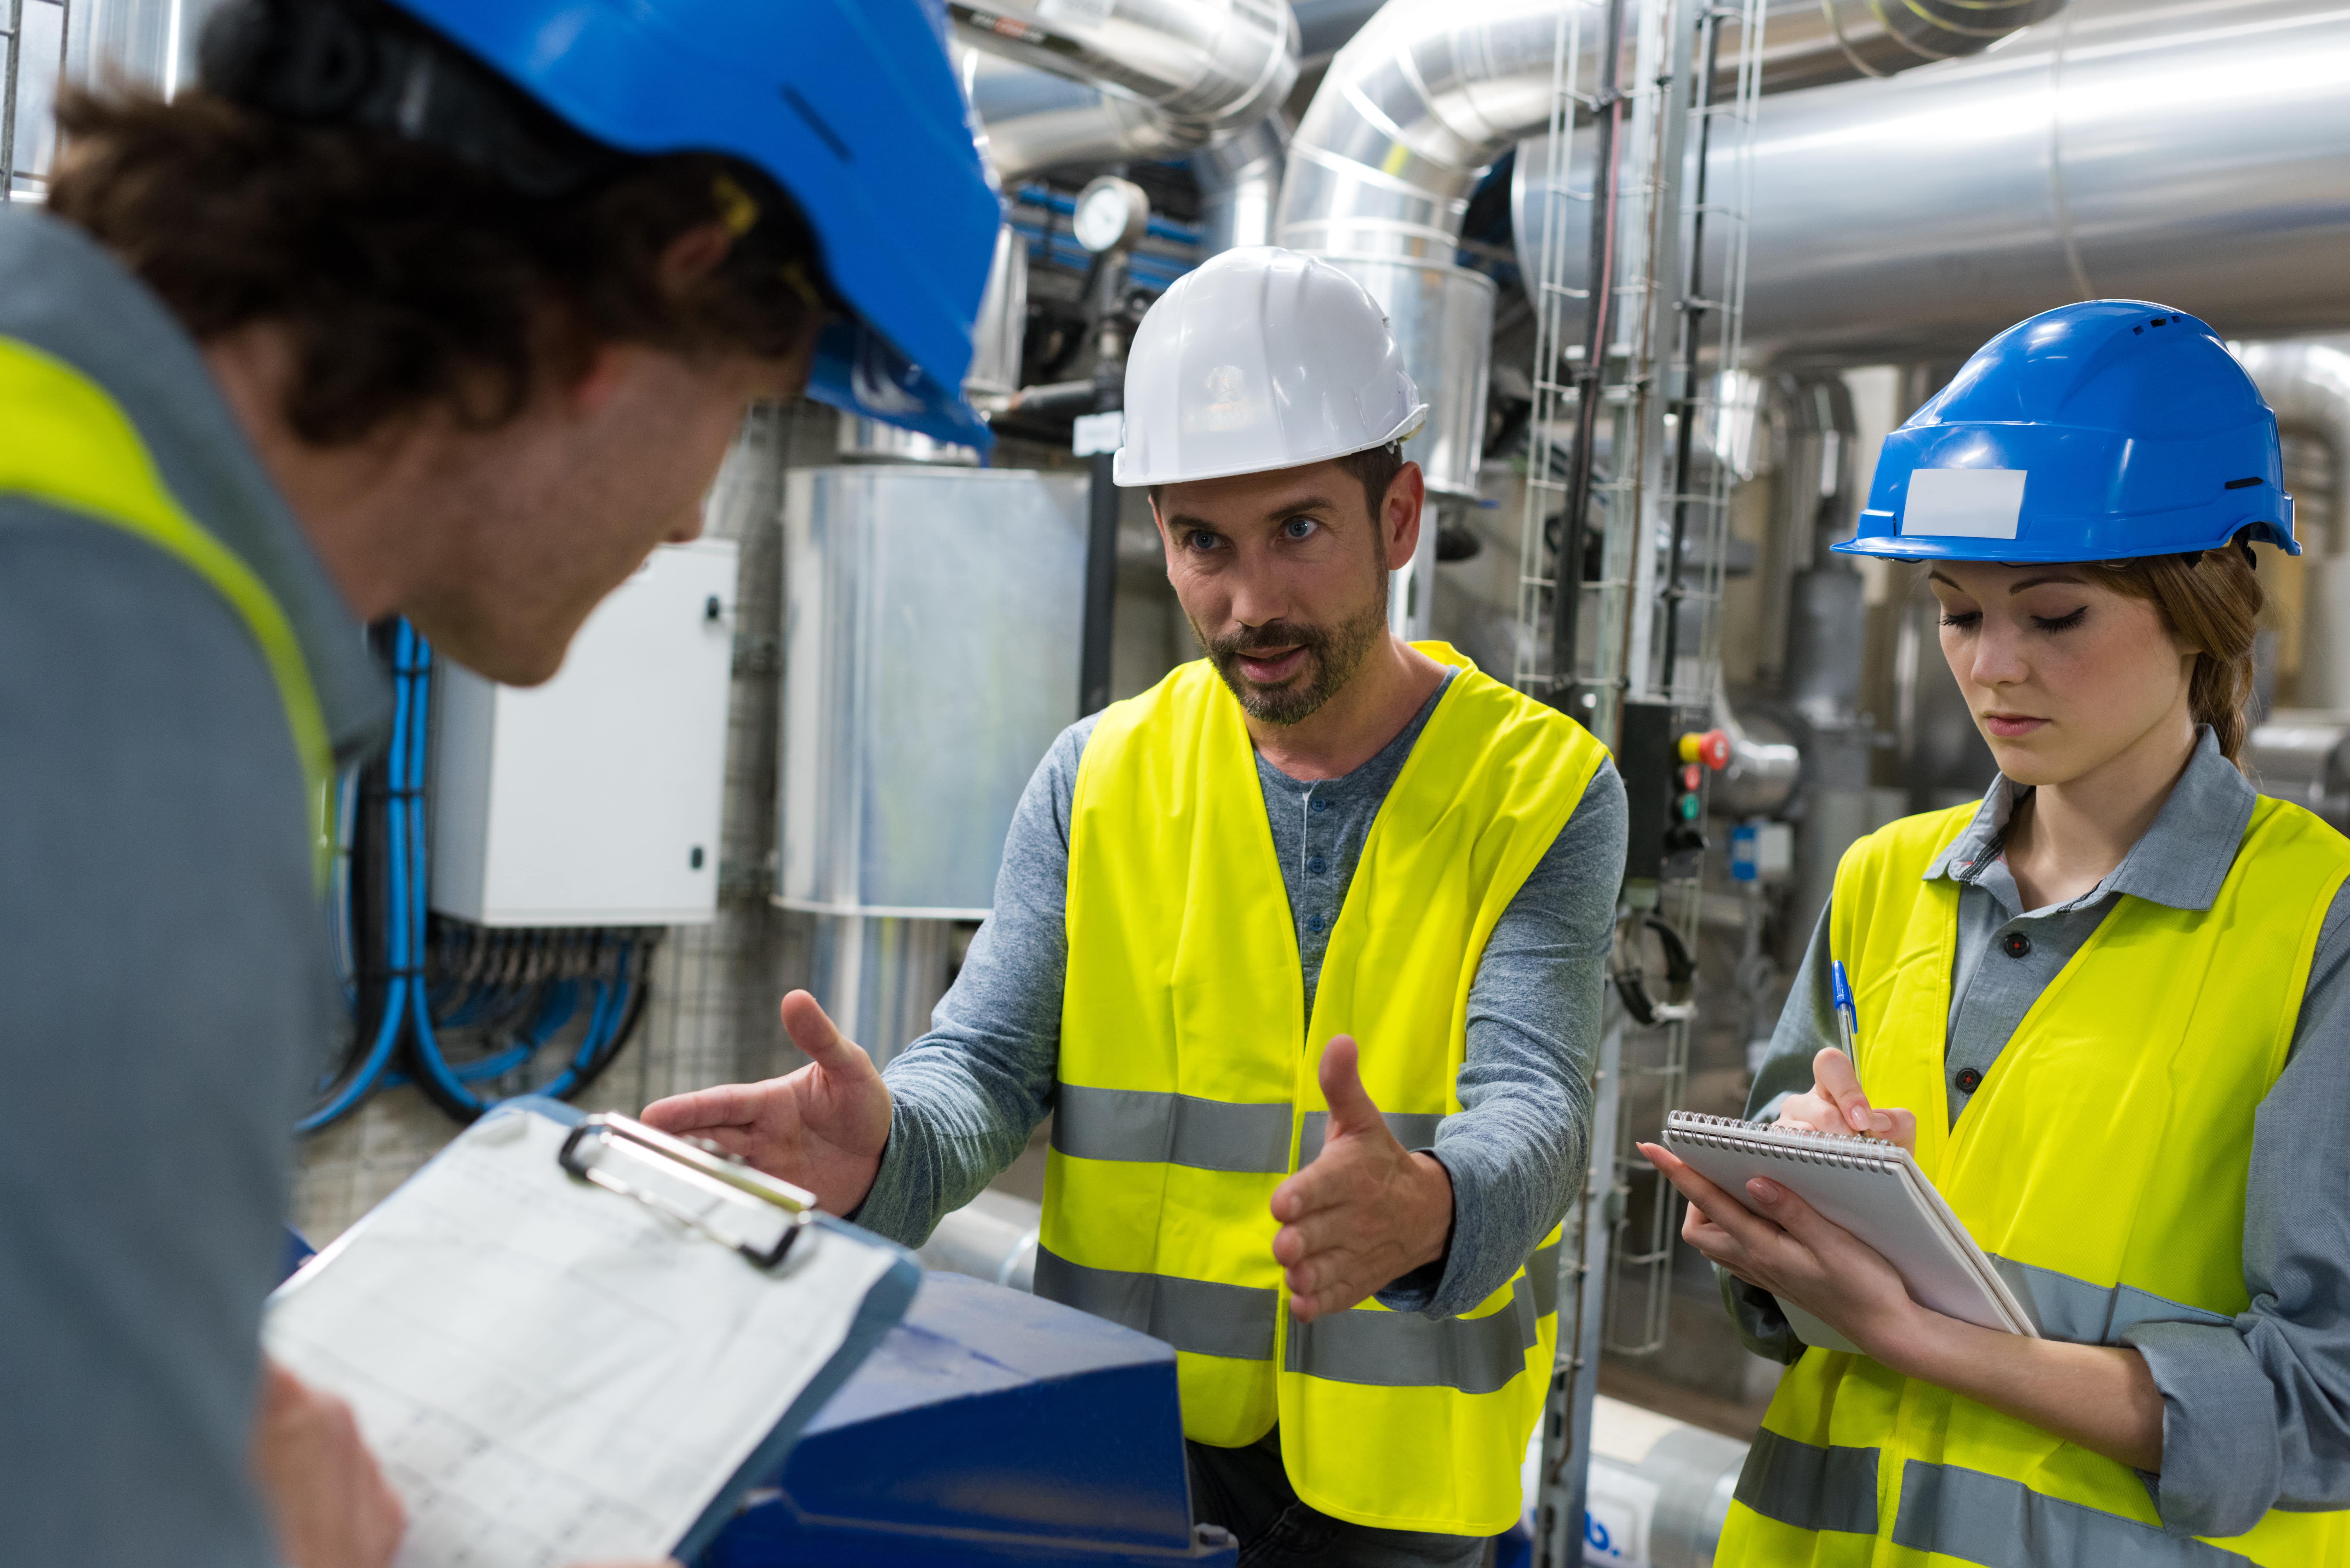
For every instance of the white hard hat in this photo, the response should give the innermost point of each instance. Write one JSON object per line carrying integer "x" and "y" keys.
{"x": 1261, "y": 358}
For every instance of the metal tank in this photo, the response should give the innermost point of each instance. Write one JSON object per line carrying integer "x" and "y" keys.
{"x": 925, "y": 612}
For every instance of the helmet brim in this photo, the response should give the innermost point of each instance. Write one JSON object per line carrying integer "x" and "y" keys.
{"x": 1406, "y": 428}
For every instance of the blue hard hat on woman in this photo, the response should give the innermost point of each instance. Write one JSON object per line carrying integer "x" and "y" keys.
{"x": 849, "y": 106}
{"x": 2098, "y": 432}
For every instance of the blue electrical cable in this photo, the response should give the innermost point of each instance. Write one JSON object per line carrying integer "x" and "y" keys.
{"x": 527, "y": 982}
{"x": 371, "y": 1070}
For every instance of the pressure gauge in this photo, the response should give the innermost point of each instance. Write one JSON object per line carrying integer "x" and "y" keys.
{"x": 1111, "y": 214}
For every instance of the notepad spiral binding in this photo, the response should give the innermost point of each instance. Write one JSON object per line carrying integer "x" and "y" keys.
{"x": 1782, "y": 1143}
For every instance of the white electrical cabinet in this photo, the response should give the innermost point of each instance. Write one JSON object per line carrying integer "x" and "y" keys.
{"x": 594, "y": 800}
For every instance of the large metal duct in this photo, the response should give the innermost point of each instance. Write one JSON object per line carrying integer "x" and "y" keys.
{"x": 1032, "y": 120}
{"x": 2192, "y": 152}
{"x": 1429, "y": 92}
{"x": 1239, "y": 182}
{"x": 1210, "y": 66}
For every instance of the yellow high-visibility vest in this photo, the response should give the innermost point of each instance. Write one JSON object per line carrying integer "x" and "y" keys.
{"x": 1187, "y": 1085}
{"x": 2102, "y": 1164}
{"x": 68, "y": 445}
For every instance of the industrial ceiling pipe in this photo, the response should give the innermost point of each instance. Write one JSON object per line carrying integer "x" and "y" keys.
{"x": 2193, "y": 154}
{"x": 1032, "y": 120}
{"x": 1211, "y": 67}
{"x": 1239, "y": 183}
{"x": 1430, "y": 92}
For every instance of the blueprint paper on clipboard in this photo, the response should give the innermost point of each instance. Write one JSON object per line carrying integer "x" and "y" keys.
{"x": 550, "y": 1372}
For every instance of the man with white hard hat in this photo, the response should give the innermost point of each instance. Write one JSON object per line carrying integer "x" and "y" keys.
{"x": 1301, "y": 948}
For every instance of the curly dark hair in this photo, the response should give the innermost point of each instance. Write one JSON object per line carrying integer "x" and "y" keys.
{"x": 407, "y": 278}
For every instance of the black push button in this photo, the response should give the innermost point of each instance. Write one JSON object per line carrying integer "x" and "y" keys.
{"x": 2016, "y": 944}
{"x": 1968, "y": 1080}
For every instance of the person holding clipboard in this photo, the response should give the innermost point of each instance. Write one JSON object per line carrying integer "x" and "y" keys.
{"x": 2107, "y": 1010}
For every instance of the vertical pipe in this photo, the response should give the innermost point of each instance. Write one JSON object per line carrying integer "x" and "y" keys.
{"x": 1567, "y": 596}
{"x": 1101, "y": 501}
{"x": 8, "y": 101}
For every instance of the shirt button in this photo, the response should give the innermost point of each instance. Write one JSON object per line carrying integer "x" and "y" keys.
{"x": 1313, "y": 924}
{"x": 2016, "y": 944}
{"x": 1968, "y": 1080}
{"x": 1321, "y": 804}
{"x": 1316, "y": 866}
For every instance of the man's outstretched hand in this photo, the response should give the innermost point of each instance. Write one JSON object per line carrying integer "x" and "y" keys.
{"x": 823, "y": 1128}
{"x": 1365, "y": 1212}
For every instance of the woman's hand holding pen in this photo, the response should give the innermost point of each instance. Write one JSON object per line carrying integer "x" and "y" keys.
{"x": 1835, "y": 1104}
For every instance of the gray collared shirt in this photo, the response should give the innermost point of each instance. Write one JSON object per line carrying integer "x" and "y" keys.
{"x": 166, "y": 993}
{"x": 2255, "y": 1414}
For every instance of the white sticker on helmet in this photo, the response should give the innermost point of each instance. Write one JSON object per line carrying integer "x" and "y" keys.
{"x": 1964, "y": 502}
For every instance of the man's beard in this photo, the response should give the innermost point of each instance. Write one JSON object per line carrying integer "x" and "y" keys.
{"x": 1333, "y": 655}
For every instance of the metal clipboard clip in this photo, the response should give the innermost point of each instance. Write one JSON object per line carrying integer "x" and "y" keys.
{"x": 693, "y": 1182}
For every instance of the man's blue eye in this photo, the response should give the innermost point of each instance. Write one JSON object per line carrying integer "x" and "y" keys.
{"x": 1299, "y": 527}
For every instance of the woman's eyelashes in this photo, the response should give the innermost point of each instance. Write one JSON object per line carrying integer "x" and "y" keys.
{"x": 1966, "y": 620}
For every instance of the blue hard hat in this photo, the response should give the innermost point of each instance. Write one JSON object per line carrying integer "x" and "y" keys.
{"x": 2093, "y": 432}
{"x": 849, "y": 105}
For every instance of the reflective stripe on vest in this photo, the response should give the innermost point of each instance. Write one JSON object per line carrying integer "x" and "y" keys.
{"x": 2102, "y": 1163}
{"x": 70, "y": 446}
{"x": 1206, "y": 1135}
{"x": 1382, "y": 1349}
{"x": 1957, "y": 1513}
{"x": 1188, "y": 1091}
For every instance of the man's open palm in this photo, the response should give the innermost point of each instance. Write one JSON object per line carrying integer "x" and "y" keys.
{"x": 823, "y": 1128}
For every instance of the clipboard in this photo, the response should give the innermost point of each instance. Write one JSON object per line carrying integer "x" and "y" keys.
{"x": 570, "y": 1338}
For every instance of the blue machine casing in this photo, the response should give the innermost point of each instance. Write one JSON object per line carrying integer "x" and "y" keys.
{"x": 989, "y": 1427}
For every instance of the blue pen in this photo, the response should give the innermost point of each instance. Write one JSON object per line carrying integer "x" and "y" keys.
{"x": 1847, "y": 1020}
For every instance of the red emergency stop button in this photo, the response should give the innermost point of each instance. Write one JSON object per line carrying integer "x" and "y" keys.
{"x": 1710, "y": 747}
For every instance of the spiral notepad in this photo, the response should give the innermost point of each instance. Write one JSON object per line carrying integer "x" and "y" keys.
{"x": 1874, "y": 1190}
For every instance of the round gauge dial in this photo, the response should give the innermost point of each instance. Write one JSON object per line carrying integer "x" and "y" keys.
{"x": 1111, "y": 214}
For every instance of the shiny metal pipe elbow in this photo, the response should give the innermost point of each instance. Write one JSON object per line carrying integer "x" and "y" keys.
{"x": 1221, "y": 64}
{"x": 1239, "y": 183}
{"x": 1421, "y": 102}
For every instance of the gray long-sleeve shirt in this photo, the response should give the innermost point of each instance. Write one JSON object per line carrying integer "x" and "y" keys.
{"x": 165, "y": 994}
{"x": 2256, "y": 1415}
{"x": 967, "y": 1095}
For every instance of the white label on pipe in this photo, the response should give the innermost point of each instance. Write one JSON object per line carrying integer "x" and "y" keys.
{"x": 1096, "y": 433}
{"x": 1964, "y": 502}
{"x": 1085, "y": 13}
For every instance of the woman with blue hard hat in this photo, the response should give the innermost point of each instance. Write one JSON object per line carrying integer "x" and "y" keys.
{"x": 2107, "y": 1009}
{"x": 444, "y": 310}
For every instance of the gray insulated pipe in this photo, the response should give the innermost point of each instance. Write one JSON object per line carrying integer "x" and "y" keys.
{"x": 1419, "y": 103}
{"x": 2193, "y": 152}
{"x": 1032, "y": 120}
{"x": 1208, "y": 68}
